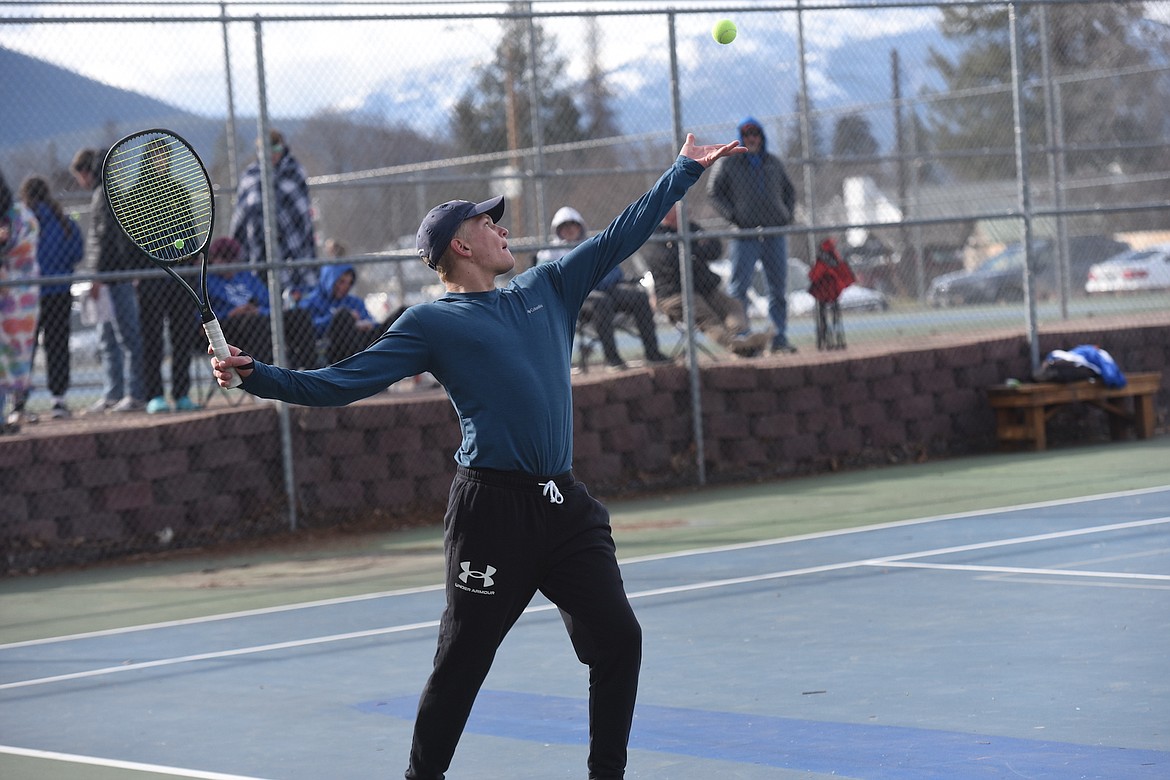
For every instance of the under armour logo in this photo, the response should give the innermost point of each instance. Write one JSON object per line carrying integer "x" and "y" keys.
{"x": 485, "y": 575}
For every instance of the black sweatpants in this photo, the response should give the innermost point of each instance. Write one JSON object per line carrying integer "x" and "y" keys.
{"x": 507, "y": 536}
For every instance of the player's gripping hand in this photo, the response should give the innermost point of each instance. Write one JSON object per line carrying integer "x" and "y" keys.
{"x": 241, "y": 361}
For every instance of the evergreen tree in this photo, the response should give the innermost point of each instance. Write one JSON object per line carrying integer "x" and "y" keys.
{"x": 1090, "y": 42}
{"x": 853, "y": 137}
{"x": 600, "y": 121}
{"x": 495, "y": 113}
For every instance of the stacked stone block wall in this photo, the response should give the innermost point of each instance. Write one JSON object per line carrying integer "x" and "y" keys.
{"x": 87, "y": 493}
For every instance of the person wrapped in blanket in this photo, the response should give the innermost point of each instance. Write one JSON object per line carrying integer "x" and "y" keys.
{"x": 296, "y": 237}
{"x": 19, "y": 303}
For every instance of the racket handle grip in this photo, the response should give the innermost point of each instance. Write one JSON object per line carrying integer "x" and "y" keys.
{"x": 220, "y": 347}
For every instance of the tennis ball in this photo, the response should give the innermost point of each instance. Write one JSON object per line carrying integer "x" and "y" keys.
{"x": 724, "y": 31}
{"x": 179, "y": 243}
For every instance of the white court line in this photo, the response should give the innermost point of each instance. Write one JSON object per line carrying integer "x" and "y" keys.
{"x": 221, "y": 616}
{"x": 891, "y": 561}
{"x": 116, "y": 764}
{"x": 623, "y": 561}
{"x": 1097, "y": 529}
{"x": 184, "y": 659}
{"x": 895, "y": 524}
{"x": 1112, "y": 575}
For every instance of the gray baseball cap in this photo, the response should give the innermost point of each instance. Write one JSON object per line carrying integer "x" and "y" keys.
{"x": 441, "y": 223}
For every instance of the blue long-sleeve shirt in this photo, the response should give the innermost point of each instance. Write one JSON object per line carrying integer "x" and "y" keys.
{"x": 59, "y": 248}
{"x": 503, "y": 356}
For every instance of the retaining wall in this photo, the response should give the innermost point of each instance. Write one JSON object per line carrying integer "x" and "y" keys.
{"x": 77, "y": 493}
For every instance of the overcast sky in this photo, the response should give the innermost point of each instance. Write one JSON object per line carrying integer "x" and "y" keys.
{"x": 338, "y": 62}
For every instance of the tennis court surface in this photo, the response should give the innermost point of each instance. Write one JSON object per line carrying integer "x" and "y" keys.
{"x": 1002, "y": 616}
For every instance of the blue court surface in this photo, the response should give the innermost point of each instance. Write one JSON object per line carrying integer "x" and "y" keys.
{"x": 1030, "y": 641}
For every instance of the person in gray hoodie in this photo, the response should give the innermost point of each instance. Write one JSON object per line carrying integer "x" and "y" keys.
{"x": 752, "y": 191}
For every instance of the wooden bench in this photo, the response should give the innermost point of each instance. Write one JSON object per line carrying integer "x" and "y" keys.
{"x": 1022, "y": 409}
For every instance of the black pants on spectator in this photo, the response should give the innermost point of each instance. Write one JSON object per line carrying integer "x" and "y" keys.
{"x": 600, "y": 309}
{"x": 53, "y": 327}
{"x": 253, "y": 334}
{"x": 345, "y": 338}
{"x": 163, "y": 303}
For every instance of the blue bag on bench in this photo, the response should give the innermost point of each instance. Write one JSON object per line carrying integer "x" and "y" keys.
{"x": 1081, "y": 362}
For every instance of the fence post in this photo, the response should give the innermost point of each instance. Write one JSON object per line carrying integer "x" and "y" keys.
{"x": 271, "y": 244}
{"x": 684, "y": 259}
{"x": 1023, "y": 185}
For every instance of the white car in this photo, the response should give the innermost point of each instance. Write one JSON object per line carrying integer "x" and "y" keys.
{"x": 1137, "y": 269}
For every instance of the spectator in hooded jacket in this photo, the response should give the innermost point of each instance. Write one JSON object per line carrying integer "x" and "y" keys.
{"x": 60, "y": 248}
{"x": 753, "y": 191}
{"x": 241, "y": 304}
{"x": 295, "y": 236}
{"x": 109, "y": 249}
{"x": 612, "y": 295}
{"x": 338, "y": 317}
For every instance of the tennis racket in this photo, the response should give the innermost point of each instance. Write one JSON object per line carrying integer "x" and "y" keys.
{"x": 160, "y": 195}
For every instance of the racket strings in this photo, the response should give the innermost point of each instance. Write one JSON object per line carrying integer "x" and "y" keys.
{"x": 167, "y": 213}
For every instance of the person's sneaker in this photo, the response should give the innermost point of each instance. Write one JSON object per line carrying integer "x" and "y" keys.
{"x": 128, "y": 404}
{"x": 100, "y": 407}
{"x": 18, "y": 416}
{"x": 658, "y": 358}
{"x": 782, "y": 347}
{"x": 750, "y": 344}
{"x": 185, "y": 404}
{"x": 60, "y": 411}
{"x": 157, "y": 405}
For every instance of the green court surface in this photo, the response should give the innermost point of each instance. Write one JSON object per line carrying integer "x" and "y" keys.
{"x": 206, "y": 583}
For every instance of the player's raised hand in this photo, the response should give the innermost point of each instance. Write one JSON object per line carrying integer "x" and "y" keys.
{"x": 709, "y": 153}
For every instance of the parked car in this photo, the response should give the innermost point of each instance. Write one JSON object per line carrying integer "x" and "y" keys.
{"x": 1137, "y": 269}
{"x": 896, "y": 274}
{"x": 1001, "y": 277}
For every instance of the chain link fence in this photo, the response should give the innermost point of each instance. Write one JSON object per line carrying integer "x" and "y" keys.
{"x": 974, "y": 162}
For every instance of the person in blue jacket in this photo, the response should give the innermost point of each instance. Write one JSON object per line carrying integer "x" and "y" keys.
{"x": 60, "y": 247}
{"x": 518, "y": 520}
{"x": 241, "y": 304}
{"x": 339, "y": 318}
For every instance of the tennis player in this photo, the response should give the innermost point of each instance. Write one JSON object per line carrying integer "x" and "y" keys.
{"x": 517, "y": 521}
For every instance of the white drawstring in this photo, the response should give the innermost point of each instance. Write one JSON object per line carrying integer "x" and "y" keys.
{"x": 553, "y": 492}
